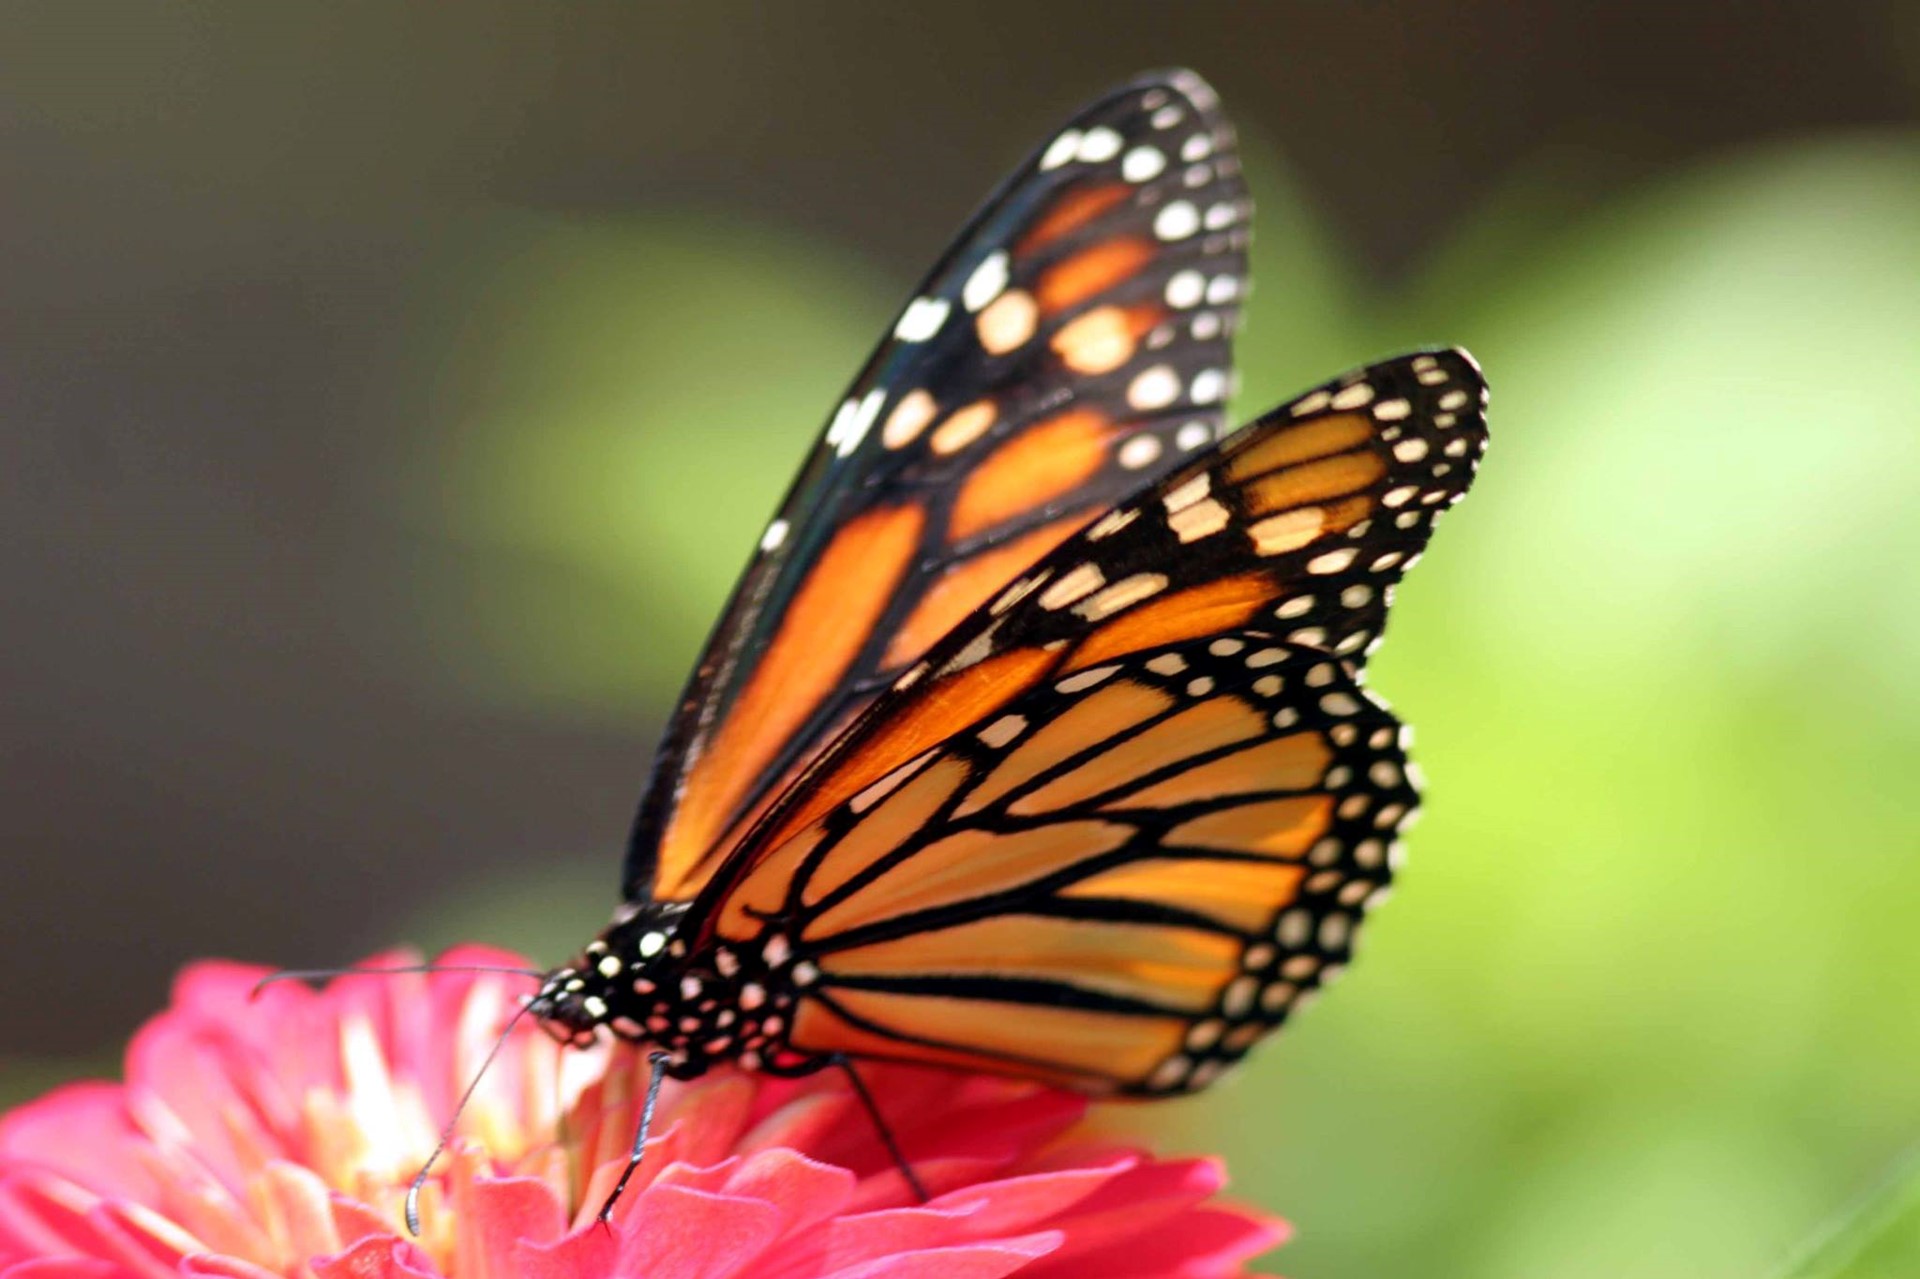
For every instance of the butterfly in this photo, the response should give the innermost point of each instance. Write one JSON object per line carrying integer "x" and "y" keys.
{"x": 1034, "y": 739}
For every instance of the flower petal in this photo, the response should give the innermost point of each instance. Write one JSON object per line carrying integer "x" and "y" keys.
{"x": 376, "y": 1258}
{"x": 64, "y": 1268}
{"x": 967, "y": 1261}
{"x": 82, "y": 1131}
{"x": 273, "y": 1138}
{"x": 673, "y": 1232}
{"x": 498, "y": 1214}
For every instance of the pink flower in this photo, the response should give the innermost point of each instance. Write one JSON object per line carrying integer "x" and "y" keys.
{"x": 276, "y": 1137}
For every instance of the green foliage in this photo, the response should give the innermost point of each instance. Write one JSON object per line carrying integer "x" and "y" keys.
{"x": 1877, "y": 1237}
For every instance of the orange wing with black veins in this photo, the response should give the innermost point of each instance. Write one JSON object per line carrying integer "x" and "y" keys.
{"x": 1109, "y": 830}
{"x": 1073, "y": 343}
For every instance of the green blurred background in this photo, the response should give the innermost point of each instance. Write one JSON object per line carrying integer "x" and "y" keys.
{"x": 388, "y": 395}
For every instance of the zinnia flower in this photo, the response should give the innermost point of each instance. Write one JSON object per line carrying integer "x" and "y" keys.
{"x": 256, "y": 1138}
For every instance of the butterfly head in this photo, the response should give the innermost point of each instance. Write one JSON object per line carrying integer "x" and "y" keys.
{"x": 617, "y": 973}
{"x": 647, "y": 979}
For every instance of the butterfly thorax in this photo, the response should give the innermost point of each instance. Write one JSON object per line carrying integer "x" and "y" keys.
{"x": 645, "y": 981}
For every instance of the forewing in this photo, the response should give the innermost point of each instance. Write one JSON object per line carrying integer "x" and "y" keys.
{"x": 1073, "y": 342}
{"x": 1301, "y": 523}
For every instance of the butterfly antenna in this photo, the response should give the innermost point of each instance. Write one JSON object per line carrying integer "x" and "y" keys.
{"x": 323, "y": 974}
{"x": 446, "y": 1133}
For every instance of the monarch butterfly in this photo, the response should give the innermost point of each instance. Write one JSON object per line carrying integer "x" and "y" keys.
{"x": 1033, "y": 739}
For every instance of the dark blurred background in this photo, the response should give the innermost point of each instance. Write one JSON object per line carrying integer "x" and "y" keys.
{"x": 388, "y": 394}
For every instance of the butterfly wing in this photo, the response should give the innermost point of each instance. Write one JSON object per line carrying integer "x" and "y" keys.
{"x": 1111, "y": 828}
{"x": 1119, "y": 882}
{"x": 1073, "y": 341}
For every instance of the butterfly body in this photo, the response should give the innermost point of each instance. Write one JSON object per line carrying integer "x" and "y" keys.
{"x": 1035, "y": 738}
{"x": 641, "y": 981}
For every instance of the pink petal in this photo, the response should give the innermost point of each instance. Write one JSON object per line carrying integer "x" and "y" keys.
{"x": 215, "y": 1266}
{"x": 714, "y": 1117}
{"x": 298, "y": 1208}
{"x": 353, "y": 1221}
{"x": 500, "y": 1213}
{"x": 848, "y": 1241}
{"x": 1018, "y": 1203}
{"x": 64, "y": 1268}
{"x": 189, "y": 1087}
{"x": 676, "y": 1233}
{"x": 969, "y": 1261}
{"x": 376, "y": 1259}
{"x": 142, "y": 1240}
{"x": 1202, "y": 1244}
{"x": 805, "y": 1191}
{"x": 204, "y": 1163}
{"x": 81, "y": 1130}
{"x": 1148, "y": 1196}
{"x": 587, "y": 1252}
{"x": 46, "y": 1214}
{"x": 801, "y": 1124}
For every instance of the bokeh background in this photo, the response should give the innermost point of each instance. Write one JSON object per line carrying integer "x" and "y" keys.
{"x": 388, "y": 395}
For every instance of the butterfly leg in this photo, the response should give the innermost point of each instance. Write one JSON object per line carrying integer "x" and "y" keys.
{"x": 880, "y": 1126}
{"x": 658, "y": 1061}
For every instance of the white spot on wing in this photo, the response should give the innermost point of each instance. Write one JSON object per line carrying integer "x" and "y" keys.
{"x": 1154, "y": 388}
{"x": 1176, "y": 221}
{"x": 853, "y": 421}
{"x": 887, "y": 785}
{"x": 1297, "y": 606}
{"x": 1098, "y": 145}
{"x": 1083, "y": 680}
{"x": 1007, "y": 322}
{"x": 986, "y": 282}
{"x": 1202, "y": 519}
{"x": 1331, "y": 562}
{"x": 1003, "y": 730}
{"x": 1353, "y": 397}
{"x": 922, "y": 319}
{"x": 1142, "y": 164}
{"x": 1124, "y": 593}
{"x": 1185, "y": 289}
{"x": 1139, "y": 451}
{"x": 909, "y": 417}
{"x": 1061, "y": 149}
{"x": 1076, "y": 583}
{"x": 1185, "y": 494}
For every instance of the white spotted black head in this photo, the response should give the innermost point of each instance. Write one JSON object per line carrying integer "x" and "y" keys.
{"x": 617, "y": 979}
{"x": 647, "y": 980}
